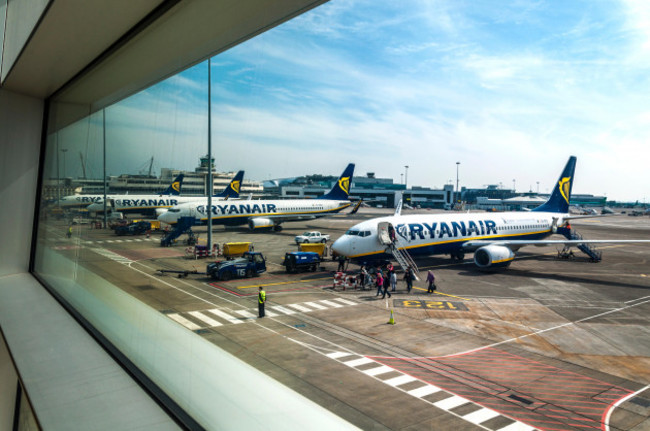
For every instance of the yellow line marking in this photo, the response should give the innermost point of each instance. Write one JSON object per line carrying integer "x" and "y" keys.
{"x": 453, "y": 296}
{"x": 278, "y": 283}
{"x": 445, "y": 294}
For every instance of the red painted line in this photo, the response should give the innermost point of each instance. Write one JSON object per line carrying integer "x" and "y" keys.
{"x": 574, "y": 398}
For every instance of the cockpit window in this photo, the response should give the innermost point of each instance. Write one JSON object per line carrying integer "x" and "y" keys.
{"x": 365, "y": 233}
{"x": 352, "y": 232}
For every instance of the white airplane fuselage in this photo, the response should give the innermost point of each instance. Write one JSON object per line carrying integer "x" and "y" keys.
{"x": 430, "y": 234}
{"x": 267, "y": 212}
{"x": 141, "y": 203}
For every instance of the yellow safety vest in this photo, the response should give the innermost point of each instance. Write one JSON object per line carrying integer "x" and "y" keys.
{"x": 262, "y": 297}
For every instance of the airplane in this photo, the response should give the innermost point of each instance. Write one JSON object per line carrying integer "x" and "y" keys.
{"x": 157, "y": 204}
{"x": 494, "y": 238}
{"x": 174, "y": 189}
{"x": 267, "y": 214}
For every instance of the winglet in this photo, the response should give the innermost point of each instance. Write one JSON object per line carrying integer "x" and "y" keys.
{"x": 356, "y": 207}
{"x": 341, "y": 189}
{"x": 232, "y": 189}
{"x": 175, "y": 187}
{"x": 561, "y": 196}
{"x": 398, "y": 207}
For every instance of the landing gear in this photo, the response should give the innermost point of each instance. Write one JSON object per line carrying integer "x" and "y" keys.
{"x": 277, "y": 228}
{"x": 459, "y": 255}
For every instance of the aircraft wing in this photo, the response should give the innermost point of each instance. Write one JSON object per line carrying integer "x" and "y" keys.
{"x": 577, "y": 217}
{"x": 517, "y": 243}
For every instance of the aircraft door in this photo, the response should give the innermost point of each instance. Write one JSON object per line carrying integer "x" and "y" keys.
{"x": 384, "y": 230}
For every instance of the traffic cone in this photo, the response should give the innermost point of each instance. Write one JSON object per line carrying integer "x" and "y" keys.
{"x": 391, "y": 321}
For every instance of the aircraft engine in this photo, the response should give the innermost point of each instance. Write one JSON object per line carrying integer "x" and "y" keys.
{"x": 260, "y": 223}
{"x": 160, "y": 211}
{"x": 493, "y": 256}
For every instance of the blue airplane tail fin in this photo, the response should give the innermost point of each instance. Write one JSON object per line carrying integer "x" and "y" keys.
{"x": 232, "y": 189}
{"x": 341, "y": 189}
{"x": 561, "y": 196}
{"x": 175, "y": 188}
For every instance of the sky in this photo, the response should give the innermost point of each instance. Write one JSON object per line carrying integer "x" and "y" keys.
{"x": 508, "y": 89}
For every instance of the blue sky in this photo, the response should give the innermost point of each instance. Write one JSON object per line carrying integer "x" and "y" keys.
{"x": 509, "y": 90}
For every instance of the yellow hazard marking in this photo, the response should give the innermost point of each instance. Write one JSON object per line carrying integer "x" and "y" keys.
{"x": 440, "y": 293}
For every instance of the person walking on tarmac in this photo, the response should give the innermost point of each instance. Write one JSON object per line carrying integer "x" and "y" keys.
{"x": 380, "y": 282}
{"x": 385, "y": 284}
{"x": 69, "y": 234}
{"x": 431, "y": 280}
{"x": 261, "y": 300}
{"x": 393, "y": 281}
{"x": 408, "y": 277}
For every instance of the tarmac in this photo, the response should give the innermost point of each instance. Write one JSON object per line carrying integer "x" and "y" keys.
{"x": 548, "y": 343}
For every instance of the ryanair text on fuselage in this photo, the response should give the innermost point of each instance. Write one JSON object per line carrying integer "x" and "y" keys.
{"x": 233, "y": 209}
{"x": 441, "y": 230}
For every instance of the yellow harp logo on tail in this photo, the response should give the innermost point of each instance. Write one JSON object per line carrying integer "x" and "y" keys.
{"x": 344, "y": 184}
{"x": 176, "y": 185}
{"x": 235, "y": 186}
{"x": 565, "y": 186}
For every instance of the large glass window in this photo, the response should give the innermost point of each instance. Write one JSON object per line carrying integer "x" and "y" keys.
{"x": 385, "y": 86}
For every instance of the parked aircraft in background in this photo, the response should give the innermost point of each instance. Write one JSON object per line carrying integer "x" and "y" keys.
{"x": 494, "y": 238}
{"x": 174, "y": 189}
{"x": 154, "y": 204}
{"x": 266, "y": 214}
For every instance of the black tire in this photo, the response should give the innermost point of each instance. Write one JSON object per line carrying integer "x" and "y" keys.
{"x": 313, "y": 268}
{"x": 249, "y": 273}
{"x": 323, "y": 241}
{"x": 225, "y": 276}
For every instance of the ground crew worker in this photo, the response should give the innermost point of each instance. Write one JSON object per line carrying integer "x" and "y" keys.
{"x": 261, "y": 299}
{"x": 69, "y": 234}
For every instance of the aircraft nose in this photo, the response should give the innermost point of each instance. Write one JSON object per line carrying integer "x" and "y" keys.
{"x": 342, "y": 246}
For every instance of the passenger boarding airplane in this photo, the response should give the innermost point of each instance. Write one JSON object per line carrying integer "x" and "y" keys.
{"x": 174, "y": 189}
{"x": 155, "y": 204}
{"x": 260, "y": 214}
{"x": 494, "y": 238}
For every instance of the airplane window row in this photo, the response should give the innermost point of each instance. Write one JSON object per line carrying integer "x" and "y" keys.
{"x": 358, "y": 233}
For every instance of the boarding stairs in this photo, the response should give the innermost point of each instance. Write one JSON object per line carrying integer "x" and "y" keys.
{"x": 404, "y": 259}
{"x": 401, "y": 256}
{"x": 183, "y": 225}
{"x": 591, "y": 251}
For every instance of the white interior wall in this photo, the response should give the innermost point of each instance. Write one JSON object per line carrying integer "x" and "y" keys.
{"x": 20, "y": 133}
{"x": 9, "y": 380}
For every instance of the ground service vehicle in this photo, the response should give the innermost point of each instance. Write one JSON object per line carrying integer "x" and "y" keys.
{"x": 134, "y": 228}
{"x": 249, "y": 265}
{"x": 301, "y": 261}
{"x": 311, "y": 237}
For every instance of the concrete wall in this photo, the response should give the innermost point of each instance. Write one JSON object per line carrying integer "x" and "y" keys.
{"x": 20, "y": 134}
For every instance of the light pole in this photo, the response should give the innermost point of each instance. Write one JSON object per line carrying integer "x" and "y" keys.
{"x": 457, "y": 165}
{"x": 401, "y": 178}
{"x": 513, "y": 186}
{"x": 64, "y": 150}
{"x": 537, "y": 187}
{"x": 406, "y": 176}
